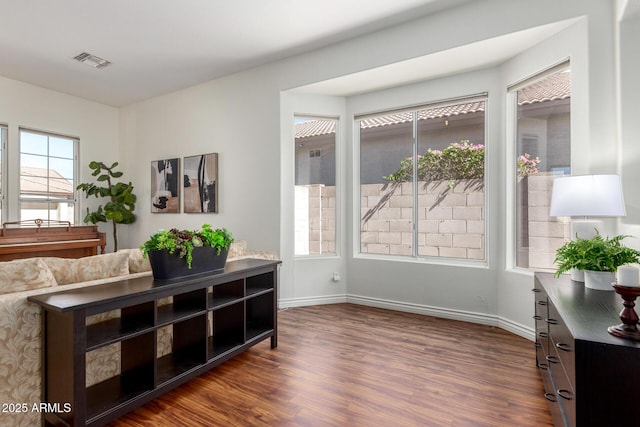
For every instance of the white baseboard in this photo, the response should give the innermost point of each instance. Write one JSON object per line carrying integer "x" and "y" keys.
{"x": 302, "y": 302}
{"x": 447, "y": 313}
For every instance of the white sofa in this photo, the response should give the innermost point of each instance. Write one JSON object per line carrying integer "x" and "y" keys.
{"x": 20, "y": 321}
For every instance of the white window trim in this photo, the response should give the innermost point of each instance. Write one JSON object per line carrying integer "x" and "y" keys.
{"x": 18, "y": 197}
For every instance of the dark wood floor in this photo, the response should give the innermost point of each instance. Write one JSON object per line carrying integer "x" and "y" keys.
{"x": 350, "y": 365}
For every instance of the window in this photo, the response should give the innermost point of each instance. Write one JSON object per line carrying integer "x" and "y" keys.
{"x": 3, "y": 145}
{"x": 47, "y": 176}
{"x": 433, "y": 207}
{"x": 315, "y": 186}
{"x": 543, "y": 152}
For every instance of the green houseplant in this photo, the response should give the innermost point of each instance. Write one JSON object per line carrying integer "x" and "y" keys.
{"x": 119, "y": 208}
{"x": 597, "y": 254}
{"x": 202, "y": 250}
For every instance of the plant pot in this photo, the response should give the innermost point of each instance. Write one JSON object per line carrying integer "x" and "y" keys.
{"x": 599, "y": 280}
{"x": 577, "y": 275}
{"x": 167, "y": 266}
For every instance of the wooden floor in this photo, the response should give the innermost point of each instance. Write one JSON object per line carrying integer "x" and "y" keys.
{"x": 350, "y": 365}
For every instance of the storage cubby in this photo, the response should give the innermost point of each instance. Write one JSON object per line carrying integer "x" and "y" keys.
{"x": 184, "y": 306}
{"x": 162, "y": 335}
{"x": 259, "y": 315}
{"x": 189, "y": 348}
{"x": 228, "y": 329}
{"x": 259, "y": 283}
{"x": 132, "y": 320}
{"x": 137, "y": 356}
{"x": 226, "y": 293}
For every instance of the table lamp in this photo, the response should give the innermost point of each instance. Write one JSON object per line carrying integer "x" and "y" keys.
{"x": 586, "y": 197}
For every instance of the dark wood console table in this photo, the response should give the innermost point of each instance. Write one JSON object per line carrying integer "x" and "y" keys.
{"x": 214, "y": 317}
{"x": 591, "y": 378}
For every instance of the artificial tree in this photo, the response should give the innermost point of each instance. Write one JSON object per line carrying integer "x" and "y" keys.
{"x": 119, "y": 208}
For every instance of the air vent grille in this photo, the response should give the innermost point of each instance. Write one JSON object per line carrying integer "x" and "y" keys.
{"x": 91, "y": 60}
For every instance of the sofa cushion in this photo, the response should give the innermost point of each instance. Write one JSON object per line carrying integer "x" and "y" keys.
{"x": 137, "y": 263}
{"x": 25, "y": 274}
{"x": 72, "y": 270}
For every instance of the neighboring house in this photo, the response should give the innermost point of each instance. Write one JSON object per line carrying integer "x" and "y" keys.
{"x": 314, "y": 139}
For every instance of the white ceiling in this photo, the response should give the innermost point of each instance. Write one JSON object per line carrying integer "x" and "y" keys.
{"x": 159, "y": 46}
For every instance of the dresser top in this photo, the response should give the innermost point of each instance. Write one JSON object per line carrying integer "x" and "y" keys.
{"x": 586, "y": 312}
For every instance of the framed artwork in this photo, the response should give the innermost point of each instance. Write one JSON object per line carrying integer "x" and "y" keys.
{"x": 165, "y": 191}
{"x": 201, "y": 183}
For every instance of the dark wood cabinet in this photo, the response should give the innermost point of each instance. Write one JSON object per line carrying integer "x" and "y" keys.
{"x": 591, "y": 378}
{"x": 213, "y": 318}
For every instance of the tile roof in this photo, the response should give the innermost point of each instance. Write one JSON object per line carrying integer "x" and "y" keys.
{"x": 35, "y": 181}
{"x": 554, "y": 87}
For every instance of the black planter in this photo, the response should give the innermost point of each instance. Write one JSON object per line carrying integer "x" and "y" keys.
{"x": 170, "y": 266}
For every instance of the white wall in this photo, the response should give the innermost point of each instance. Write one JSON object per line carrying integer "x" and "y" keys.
{"x": 244, "y": 116}
{"x": 97, "y": 126}
{"x": 630, "y": 125}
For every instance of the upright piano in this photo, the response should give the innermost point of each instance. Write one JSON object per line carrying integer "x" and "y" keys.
{"x": 36, "y": 238}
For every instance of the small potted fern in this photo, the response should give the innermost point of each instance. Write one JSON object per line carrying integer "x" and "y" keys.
{"x": 178, "y": 253}
{"x": 599, "y": 257}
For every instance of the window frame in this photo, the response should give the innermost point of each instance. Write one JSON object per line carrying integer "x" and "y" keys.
{"x": 512, "y": 146}
{"x": 48, "y": 199}
{"x": 357, "y": 217}
{"x": 4, "y": 135}
{"x": 337, "y": 161}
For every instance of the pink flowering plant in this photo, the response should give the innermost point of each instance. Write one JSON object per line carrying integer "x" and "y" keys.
{"x": 527, "y": 166}
{"x": 460, "y": 160}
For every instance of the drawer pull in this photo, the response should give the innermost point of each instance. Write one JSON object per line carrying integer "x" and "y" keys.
{"x": 536, "y": 290}
{"x": 565, "y": 394}
{"x": 542, "y": 302}
{"x": 551, "y": 359}
{"x": 550, "y": 397}
{"x": 543, "y": 334}
{"x": 537, "y": 317}
{"x": 551, "y": 321}
{"x": 543, "y": 366}
{"x": 537, "y": 344}
{"x": 563, "y": 346}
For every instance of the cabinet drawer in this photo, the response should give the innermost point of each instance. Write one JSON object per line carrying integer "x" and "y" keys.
{"x": 562, "y": 342}
{"x": 565, "y": 395}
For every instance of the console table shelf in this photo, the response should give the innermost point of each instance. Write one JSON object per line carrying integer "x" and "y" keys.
{"x": 213, "y": 317}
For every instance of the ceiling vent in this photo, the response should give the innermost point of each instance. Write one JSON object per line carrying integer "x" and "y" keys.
{"x": 92, "y": 60}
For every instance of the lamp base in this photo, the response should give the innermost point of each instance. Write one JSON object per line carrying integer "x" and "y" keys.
{"x": 585, "y": 228}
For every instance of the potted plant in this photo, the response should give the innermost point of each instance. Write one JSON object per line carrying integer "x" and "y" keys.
{"x": 176, "y": 253}
{"x": 119, "y": 208}
{"x": 599, "y": 257}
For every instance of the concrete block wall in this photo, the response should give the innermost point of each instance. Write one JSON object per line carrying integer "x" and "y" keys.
{"x": 450, "y": 220}
{"x": 546, "y": 234}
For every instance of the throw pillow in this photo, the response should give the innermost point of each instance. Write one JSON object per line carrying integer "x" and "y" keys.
{"x": 25, "y": 274}
{"x": 72, "y": 270}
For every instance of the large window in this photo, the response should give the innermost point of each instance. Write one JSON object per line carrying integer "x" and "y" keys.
{"x": 433, "y": 207}
{"x": 315, "y": 186}
{"x": 47, "y": 176}
{"x": 543, "y": 152}
{"x": 3, "y": 145}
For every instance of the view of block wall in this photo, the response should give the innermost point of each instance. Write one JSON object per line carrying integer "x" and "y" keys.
{"x": 546, "y": 234}
{"x": 450, "y": 221}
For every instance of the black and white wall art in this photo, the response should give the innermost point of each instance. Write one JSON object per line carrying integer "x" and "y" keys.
{"x": 165, "y": 189}
{"x": 201, "y": 183}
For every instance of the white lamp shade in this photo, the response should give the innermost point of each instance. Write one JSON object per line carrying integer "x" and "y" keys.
{"x": 587, "y": 196}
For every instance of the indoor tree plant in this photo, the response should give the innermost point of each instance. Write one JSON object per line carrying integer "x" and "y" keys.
{"x": 174, "y": 253}
{"x": 119, "y": 208}
{"x": 598, "y": 254}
